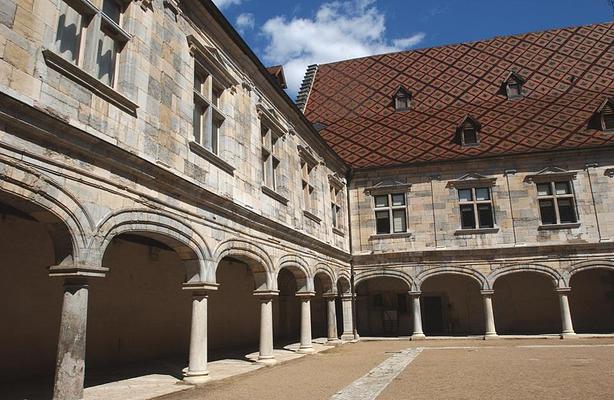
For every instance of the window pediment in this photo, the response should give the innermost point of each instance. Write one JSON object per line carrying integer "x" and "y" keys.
{"x": 551, "y": 174}
{"x": 308, "y": 156}
{"x": 471, "y": 180}
{"x": 211, "y": 59}
{"x": 387, "y": 187}
{"x": 269, "y": 116}
{"x": 336, "y": 182}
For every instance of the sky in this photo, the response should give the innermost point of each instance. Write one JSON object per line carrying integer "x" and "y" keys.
{"x": 299, "y": 33}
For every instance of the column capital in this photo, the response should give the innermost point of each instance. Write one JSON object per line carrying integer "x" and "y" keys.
{"x": 487, "y": 292}
{"x": 266, "y": 294}
{"x": 347, "y": 296}
{"x": 77, "y": 271}
{"x": 330, "y": 296}
{"x": 305, "y": 295}
{"x": 415, "y": 293}
{"x": 198, "y": 287}
{"x": 563, "y": 290}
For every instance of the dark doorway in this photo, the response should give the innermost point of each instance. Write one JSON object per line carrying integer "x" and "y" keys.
{"x": 432, "y": 312}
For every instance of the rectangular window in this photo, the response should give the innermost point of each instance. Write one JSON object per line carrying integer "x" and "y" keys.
{"x": 335, "y": 206}
{"x": 557, "y": 203}
{"x": 85, "y": 32}
{"x": 208, "y": 118}
{"x": 476, "y": 210}
{"x": 270, "y": 162}
{"x": 390, "y": 213}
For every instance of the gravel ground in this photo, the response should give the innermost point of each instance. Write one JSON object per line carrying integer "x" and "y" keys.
{"x": 496, "y": 369}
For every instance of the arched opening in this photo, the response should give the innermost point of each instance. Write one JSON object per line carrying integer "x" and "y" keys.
{"x": 287, "y": 311}
{"x": 139, "y": 316}
{"x": 234, "y": 313}
{"x": 323, "y": 285}
{"x": 383, "y": 307}
{"x": 592, "y": 301}
{"x": 343, "y": 289}
{"x": 525, "y": 302}
{"x": 31, "y": 240}
{"x": 452, "y": 305}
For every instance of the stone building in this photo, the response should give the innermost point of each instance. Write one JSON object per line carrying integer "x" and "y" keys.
{"x": 161, "y": 195}
{"x": 481, "y": 186}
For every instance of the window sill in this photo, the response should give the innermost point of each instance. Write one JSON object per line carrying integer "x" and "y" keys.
{"x": 274, "y": 195}
{"x": 384, "y": 236}
{"x": 312, "y": 217}
{"x": 86, "y": 80}
{"x": 339, "y": 232}
{"x": 554, "y": 227}
{"x": 212, "y": 158}
{"x": 479, "y": 231}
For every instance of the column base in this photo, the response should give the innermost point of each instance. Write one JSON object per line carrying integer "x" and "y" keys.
{"x": 418, "y": 336}
{"x": 334, "y": 342}
{"x": 268, "y": 361}
{"x": 306, "y": 350}
{"x": 568, "y": 335}
{"x": 491, "y": 336}
{"x": 347, "y": 338}
{"x": 196, "y": 378}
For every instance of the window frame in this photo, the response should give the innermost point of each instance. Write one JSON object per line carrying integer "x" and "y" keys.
{"x": 475, "y": 203}
{"x": 95, "y": 25}
{"x": 209, "y": 137}
{"x": 390, "y": 208}
{"x": 335, "y": 207}
{"x": 270, "y": 159}
{"x": 554, "y": 197}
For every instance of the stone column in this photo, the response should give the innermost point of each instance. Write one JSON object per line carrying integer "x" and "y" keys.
{"x": 348, "y": 324}
{"x": 266, "y": 355}
{"x": 306, "y": 346}
{"x": 417, "y": 313}
{"x": 70, "y": 364}
{"x": 331, "y": 319}
{"x": 566, "y": 321}
{"x": 489, "y": 318}
{"x": 197, "y": 371}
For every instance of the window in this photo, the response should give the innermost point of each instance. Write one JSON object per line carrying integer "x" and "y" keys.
{"x": 270, "y": 162}
{"x": 607, "y": 115}
{"x": 513, "y": 85}
{"x": 402, "y": 99}
{"x": 335, "y": 205}
{"x": 390, "y": 213}
{"x": 469, "y": 132}
{"x": 208, "y": 118}
{"x": 557, "y": 203}
{"x": 476, "y": 209}
{"x": 85, "y": 32}
{"x": 514, "y": 89}
{"x": 308, "y": 189}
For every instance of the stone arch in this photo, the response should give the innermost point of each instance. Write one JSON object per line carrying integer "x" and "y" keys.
{"x": 190, "y": 246}
{"x": 556, "y": 278}
{"x": 471, "y": 273}
{"x": 327, "y": 271}
{"x": 73, "y": 230}
{"x": 301, "y": 271}
{"x": 386, "y": 273}
{"x": 254, "y": 256}
{"x": 344, "y": 286}
{"x": 585, "y": 266}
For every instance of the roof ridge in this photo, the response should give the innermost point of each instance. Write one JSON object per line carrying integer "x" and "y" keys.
{"x": 472, "y": 42}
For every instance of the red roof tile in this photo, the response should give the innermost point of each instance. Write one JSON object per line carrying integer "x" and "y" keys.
{"x": 569, "y": 72}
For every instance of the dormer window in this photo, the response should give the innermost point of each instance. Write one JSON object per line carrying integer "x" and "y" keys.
{"x": 606, "y": 115}
{"x": 402, "y": 99}
{"x": 513, "y": 85}
{"x": 469, "y": 131}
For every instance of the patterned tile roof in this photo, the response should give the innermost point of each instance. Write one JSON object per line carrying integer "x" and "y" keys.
{"x": 569, "y": 73}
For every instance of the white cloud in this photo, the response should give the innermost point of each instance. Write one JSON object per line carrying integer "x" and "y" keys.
{"x": 225, "y": 3}
{"x": 245, "y": 21}
{"x": 339, "y": 30}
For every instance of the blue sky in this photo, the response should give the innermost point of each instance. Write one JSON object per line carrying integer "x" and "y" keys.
{"x": 304, "y": 32}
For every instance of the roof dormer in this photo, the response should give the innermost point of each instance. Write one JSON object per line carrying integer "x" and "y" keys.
{"x": 513, "y": 85}
{"x": 402, "y": 99}
{"x": 468, "y": 131}
{"x": 606, "y": 115}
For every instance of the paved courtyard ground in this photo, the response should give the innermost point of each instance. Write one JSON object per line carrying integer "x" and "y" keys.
{"x": 455, "y": 369}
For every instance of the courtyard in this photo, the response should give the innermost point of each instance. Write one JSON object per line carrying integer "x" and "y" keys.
{"x": 431, "y": 369}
